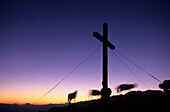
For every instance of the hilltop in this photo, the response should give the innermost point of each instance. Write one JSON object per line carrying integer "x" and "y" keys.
{"x": 152, "y": 100}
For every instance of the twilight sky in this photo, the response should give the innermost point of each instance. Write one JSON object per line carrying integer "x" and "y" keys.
{"x": 41, "y": 41}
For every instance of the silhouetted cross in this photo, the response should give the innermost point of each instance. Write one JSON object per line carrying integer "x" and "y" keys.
{"x": 105, "y": 92}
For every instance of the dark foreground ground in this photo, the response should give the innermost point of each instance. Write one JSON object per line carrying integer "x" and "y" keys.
{"x": 136, "y": 101}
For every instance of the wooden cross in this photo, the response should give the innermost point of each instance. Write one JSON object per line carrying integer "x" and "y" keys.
{"x": 105, "y": 92}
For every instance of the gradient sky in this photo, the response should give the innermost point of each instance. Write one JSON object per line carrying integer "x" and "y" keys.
{"x": 41, "y": 41}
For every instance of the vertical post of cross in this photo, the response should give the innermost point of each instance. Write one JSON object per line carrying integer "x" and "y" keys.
{"x": 105, "y": 60}
{"x": 106, "y": 92}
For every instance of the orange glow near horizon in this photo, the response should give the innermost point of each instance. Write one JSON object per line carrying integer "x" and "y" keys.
{"x": 32, "y": 99}
{"x": 17, "y": 92}
{"x": 49, "y": 99}
{"x": 30, "y": 93}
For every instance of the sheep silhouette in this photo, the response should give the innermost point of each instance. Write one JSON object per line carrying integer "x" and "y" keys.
{"x": 94, "y": 93}
{"x": 72, "y": 96}
{"x": 123, "y": 87}
{"x": 165, "y": 86}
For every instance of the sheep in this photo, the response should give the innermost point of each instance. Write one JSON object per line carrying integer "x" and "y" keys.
{"x": 72, "y": 96}
{"x": 123, "y": 87}
{"x": 94, "y": 93}
{"x": 165, "y": 86}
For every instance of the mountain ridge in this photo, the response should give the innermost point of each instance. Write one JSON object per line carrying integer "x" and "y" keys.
{"x": 27, "y": 106}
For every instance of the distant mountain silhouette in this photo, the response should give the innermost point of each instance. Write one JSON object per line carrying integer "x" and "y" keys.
{"x": 27, "y": 106}
{"x": 150, "y": 100}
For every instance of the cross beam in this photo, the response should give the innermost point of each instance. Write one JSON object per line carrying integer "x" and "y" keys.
{"x": 106, "y": 92}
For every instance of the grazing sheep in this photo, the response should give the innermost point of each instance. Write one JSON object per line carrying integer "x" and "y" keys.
{"x": 72, "y": 96}
{"x": 94, "y": 93}
{"x": 123, "y": 87}
{"x": 165, "y": 85}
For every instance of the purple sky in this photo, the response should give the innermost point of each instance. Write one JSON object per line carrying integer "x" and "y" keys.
{"x": 42, "y": 41}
